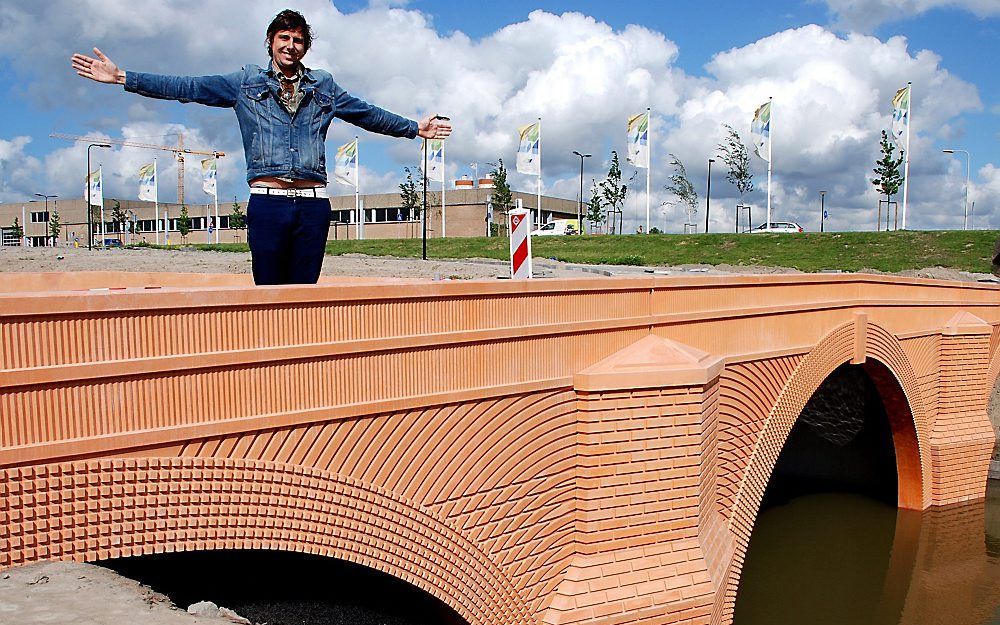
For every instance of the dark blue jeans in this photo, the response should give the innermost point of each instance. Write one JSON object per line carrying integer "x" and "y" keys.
{"x": 287, "y": 238}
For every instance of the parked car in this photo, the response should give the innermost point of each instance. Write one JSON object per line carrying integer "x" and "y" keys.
{"x": 112, "y": 243}
{"x": 557, "y": 227}
{"x": 778, "y": 226}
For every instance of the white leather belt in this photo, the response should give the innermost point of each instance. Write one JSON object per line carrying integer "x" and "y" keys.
{"x": 315, "y": 192}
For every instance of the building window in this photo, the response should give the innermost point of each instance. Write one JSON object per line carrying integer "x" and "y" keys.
{"x": 40, "y": 217}
{"x": 7, "y": 238}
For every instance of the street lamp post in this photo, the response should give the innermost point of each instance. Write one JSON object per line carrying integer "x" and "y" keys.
{"x": 90, "y": 220}
{"x": 579, "y": 209}
{"x": 475, "y": 173}
{"x": 968, "y": 176}
{"x": 822, "y": 209}
{"x": 47, "y": 211}
{"x": 708, "y": 193}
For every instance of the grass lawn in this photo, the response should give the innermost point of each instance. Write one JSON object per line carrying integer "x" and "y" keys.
{"x": 849, "y": 251}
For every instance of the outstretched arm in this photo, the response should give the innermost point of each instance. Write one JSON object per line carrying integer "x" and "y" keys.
{"x": 101, "y": 69}
{"x": 370, "y": 117}
{"x": 209, "y": 90}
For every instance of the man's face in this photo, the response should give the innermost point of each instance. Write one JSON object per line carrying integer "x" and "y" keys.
{"x": 287, "y": 48}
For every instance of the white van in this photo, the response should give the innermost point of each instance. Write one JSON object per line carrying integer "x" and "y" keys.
{"x": 558, "y": 227}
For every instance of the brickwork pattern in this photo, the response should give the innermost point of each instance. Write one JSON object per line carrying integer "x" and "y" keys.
{"x": 837, "y": 348}
{"x": 433, "y": 431}
{"x": 501, "y": 471}
{"x": 748, "y": 391}
{"x": 107, "y": 509}
{"x": 962, "y": 437}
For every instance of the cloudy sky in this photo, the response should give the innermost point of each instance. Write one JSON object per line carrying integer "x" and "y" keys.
{"x": 832, "y": 67}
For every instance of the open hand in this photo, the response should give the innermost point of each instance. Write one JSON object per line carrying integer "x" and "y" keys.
{"x": 433, "y": 128}
{"x": 101, "y": 69}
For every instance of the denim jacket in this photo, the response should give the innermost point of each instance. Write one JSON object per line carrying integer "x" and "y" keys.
{"x": 276, "y": 143}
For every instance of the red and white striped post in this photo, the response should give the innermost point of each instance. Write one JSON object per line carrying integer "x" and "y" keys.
{"x": 520, "y": 242}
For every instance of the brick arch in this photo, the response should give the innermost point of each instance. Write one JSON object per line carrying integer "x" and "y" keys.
{"x": 994, "y": 371}
{"x": 897, "y": 383}
{"x": 101, "y": 509}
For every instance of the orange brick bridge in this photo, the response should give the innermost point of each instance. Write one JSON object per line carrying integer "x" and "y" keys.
{"x": 560, "y": 451}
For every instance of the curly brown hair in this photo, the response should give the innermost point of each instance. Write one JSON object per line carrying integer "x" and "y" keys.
{"x": 289, "y": 20}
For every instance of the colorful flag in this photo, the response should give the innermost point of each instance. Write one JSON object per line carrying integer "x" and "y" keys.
{"x": 761, "y": 130}
{"x": 147, "y": 182}
{"x": 900, "y": 114}
{"x": 529, "y": 150}
{"x": 346, "y": 170}
{"x": 209, "y": 173}
{"x": 435, "y": 160}
{"x": 638, "y": 140}
{"x": 96, "y": 192}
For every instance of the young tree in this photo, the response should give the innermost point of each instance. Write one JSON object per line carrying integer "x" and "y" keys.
{"x": 17, "y": 231}
{"x": 237, "y": 218}
{"x": 54, "y": 226}
{"x": 595, "y": 208}
{"x": 682, "y": 189}
{"x": 734, "y": 154}
{"x": 408, "y": 195}
{"x": 502, "y": 196}
{"x": 119, "y": 218}
{"x": 613, "y": 192}
{"x": 888, "y": 177}
{"x": 184, "y": 223}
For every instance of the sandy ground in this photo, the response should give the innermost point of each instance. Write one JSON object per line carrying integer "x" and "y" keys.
{"x": 83, "y": 594}
{"x": 193, "y": 261}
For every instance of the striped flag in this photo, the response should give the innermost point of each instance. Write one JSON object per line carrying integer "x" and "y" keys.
{"x": 900, "y": 114}
{"x": 346, "y": 170}
{"x": 529, "y": 150}
{"x": 761, "y": 130}
{"x": 638, "y": 140}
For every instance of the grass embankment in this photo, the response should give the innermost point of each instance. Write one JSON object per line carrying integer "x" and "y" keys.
{"x": 849, "y": 251}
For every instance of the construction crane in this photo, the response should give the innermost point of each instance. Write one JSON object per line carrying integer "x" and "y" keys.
{"x": 178, "y": 150}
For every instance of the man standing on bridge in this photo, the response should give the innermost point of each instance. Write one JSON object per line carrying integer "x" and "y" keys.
{"x": 284, "y": 112}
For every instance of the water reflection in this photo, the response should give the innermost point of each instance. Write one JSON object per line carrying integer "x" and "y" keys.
{"x": 843, "y": 559}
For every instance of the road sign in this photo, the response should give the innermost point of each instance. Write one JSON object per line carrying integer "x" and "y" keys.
{"x": 520, "y": 243}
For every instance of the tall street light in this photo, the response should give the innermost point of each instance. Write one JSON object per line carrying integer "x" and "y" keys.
{"x": 475, "y": 173}
{"x": 968, "y": 172}
{"x": 47, "y": 211}
{"x": 708, "y": 194}
{"x": 822, "y": 209}
{"x": 90, "y": 219}
{"x": 579, "y": 210}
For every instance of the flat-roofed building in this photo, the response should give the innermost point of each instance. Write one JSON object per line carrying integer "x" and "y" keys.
{"x": 466, "y": 206}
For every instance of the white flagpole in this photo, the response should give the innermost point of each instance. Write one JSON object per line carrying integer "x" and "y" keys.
{"x": 100, "y": 176}
{"x": 538, "y": 198}
{"x": 216, "y": 199}
{"x": 770, "y": 156}
{"x": 156, "y": 199}
{"x": 24, "y": 227}
{"x": 444, "y": 230}
{"x": 357, "y": 188}
{"x": 649, "y": 159}
{"x": 906, "y": 160}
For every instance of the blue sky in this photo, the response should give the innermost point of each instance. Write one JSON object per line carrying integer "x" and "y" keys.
{"x": 698, "y": 68}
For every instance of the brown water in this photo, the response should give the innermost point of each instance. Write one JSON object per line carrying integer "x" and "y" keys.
{"x": 839, "y": 559}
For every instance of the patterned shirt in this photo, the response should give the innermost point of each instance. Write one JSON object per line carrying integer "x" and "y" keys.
{"x": 290, "y": 95}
